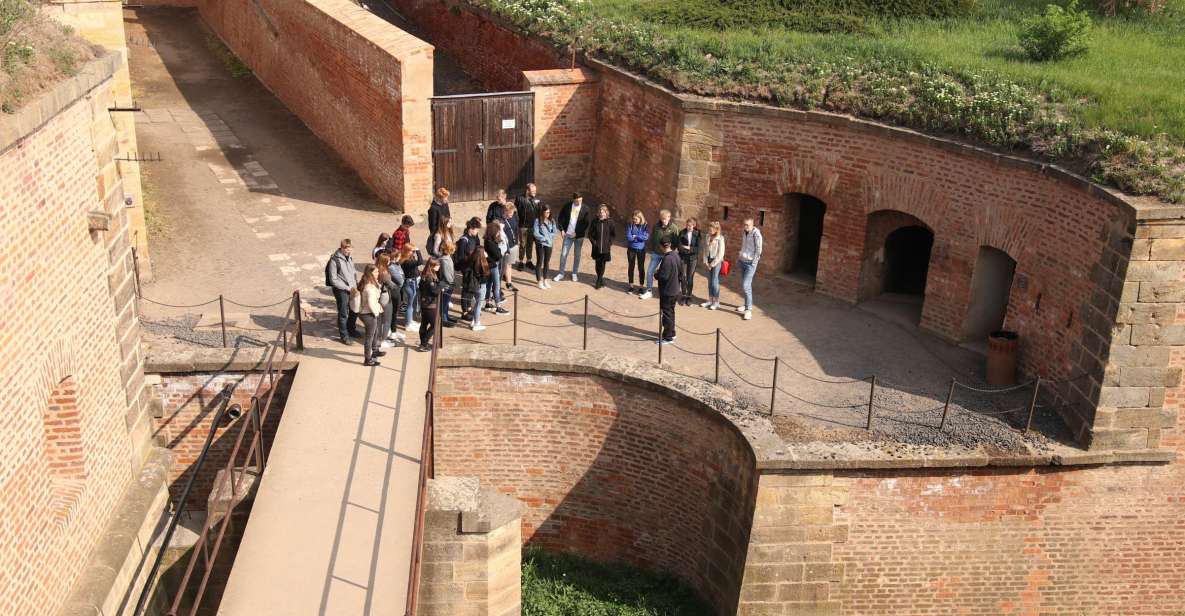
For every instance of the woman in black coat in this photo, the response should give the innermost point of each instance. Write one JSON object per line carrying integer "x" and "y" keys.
{"x": 600, "y": 235}
{"x": 689, "y": 249}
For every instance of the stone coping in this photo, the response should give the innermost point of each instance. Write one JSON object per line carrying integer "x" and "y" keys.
{"x": 772, "y": 453}
{"x": 38, "y": 112}
{"x": 481, "y": 510}
{"x": 559, "y": 77}
{"x": 214, "y": 360}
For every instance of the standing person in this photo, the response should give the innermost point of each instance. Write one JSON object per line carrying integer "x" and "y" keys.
{"x": 395, "y": 273}
{"x": 402, "y": 235}
{"x": 429, "y": 302}
{"x": 387, "y": 290}
{"x": 448, "y": 280}
{"x": 667, "y": 275}
{"x": 495, "y": 247}
{"x": 528, "y": 206}
{"x": 341, "y": 276}
{"x": 381, "y": 245}
{"x": 475, "y": 287}
{"x": 365, "y": 300}
{"x": 573, "y": 223}
{"x": 714, "y": 258}
{"x": 467, "y": 246}
{"x": 636, "y": 234}
{"x": 497, "y": 207}
{"x": 748, "y": 258}
{"x": 600, "y": 236}
{"x": 411, "y": 261}
{"x": 510, "y": 229}
{"x": 438, "y": 210}
{"x": 444, "y": 233}
{"x": 663, "y": 229}
{"x": 689, "y": 249}
{"x": 544, "y": 233}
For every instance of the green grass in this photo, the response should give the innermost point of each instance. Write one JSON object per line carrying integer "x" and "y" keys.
{"x": 564, "y": 585}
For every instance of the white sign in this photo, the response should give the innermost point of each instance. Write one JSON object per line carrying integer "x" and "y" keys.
{"x": 507, "y": 124}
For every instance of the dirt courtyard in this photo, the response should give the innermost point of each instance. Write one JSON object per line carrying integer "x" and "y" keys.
{"x": 248, "y": 204}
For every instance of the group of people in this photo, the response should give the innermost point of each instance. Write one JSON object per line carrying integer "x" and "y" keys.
{"x": 402, "y": 280}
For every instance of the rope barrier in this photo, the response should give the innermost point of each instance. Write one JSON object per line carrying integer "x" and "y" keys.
{"x": 695, "y": 333}
{"x": 860, "y": 404}
{"x": 737, "y": 347}
{"x": 995, "y": 391}
{"x": 642, "y": 338}
{"x": 627, "y": 316}
{"x": 907, "y": 411}
{"x": 823, "y": 380}
{"x": 150, "y": 301}
{"x": 279, "y": 303}
{"x": 548, "y": 326}
{"x": 536, "y": 301}
{"x": 738, "y": 375}
{"x": 690, "y": 352}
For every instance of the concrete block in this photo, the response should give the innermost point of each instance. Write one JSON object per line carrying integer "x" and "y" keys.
{"x": 773, "y": 574}
{"x": 1171, "y": 291}
{"x": 1123, "y": 355}
{"x": 1156, "y": 271}
{"x": 1165, "y": 249}
{"x": 1143, "y": 377}
{"x": 1130, "y": 438}
{"x": 1171, "y": 335}
{"x": 1160, "y": 314}
{"x": 1130, "y": 397}
{"x": 804, "y": 591}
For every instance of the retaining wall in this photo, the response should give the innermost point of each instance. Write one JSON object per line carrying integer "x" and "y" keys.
{"x": 359, "y": 83}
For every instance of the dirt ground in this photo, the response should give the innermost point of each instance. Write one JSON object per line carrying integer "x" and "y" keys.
{"x": 249, "y": 204}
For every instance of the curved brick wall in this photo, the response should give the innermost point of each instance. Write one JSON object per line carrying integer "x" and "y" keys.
{"x": 610, "y": 470}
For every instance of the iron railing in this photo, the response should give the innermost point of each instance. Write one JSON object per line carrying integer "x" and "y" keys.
{"x": 250, "y": 429}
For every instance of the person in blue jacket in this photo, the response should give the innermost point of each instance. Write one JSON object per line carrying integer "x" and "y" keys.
{"x": 544, "y": 231}
{"x": 636, "y": 235}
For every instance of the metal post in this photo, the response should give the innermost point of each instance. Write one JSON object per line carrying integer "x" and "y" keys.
{"x": 222, "y": 318}
{"x": 660, "y": 336}
{"x": 437, "y": 330}
{"x": 257, "y": 423}
{"x": 946, "y": 408}
{"x": 773, "y": 391}
{"x": 584, "y": 347}
{"x": 515, "y": 326}
{"x": 871, "y": 395}
{"x": 136, "y": 270}
{"x": 299, "y": 321}
{"x": 1033, "y": 404}
{"x": 716, "y": 379}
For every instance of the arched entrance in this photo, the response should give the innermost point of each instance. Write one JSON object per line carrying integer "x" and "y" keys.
{"x": 896, "y": 265}
{"x": 804, "y": 232}
{"x": 907, "y": 260}
{"x": 991, "y": 285}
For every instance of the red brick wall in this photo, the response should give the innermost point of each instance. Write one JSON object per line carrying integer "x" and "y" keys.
{"x": 189, "y": 402}
{"x": 359, "y": 83}
{"x": 566, "y": 106}
{"x": 58, "y": 323}
{"x": 605, "y": 469}
{"x": 487, "y": 51}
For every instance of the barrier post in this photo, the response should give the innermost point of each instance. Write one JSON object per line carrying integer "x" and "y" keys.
{"x": 773, "y": 391}
{"x": 871, "y": 395}
{"x": 222, "y": 319}
{"x": 946, "y": 407}
{"x": 584, "y": 346}
{"x": 1033, "y": 404}
{"x": 716, "y": 379}
{"x": 299, "y": 321}
{"x": 515, "y": 318}
{"x": 660, "y": 336}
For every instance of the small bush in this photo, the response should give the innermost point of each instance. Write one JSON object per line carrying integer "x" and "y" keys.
{"x": 1056, "y": 34}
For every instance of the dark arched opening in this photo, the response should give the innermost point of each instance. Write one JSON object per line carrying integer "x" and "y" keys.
{"x": 907, "y": 260}
{"x": 804, "y": 232}
{"x": 991, "y": 285}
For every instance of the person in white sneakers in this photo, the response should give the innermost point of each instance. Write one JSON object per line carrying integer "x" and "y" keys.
{"x": 573, "y": 222}
{"x": 749, "y": 256}
{"x": 543, "y": 230}
{"x": 714, "y": 259}
{"x": 663, "y": 230}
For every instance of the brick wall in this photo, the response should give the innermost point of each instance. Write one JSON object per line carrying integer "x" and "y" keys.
{"x": 482, "y": 44}
{"x": 566, "y": 105}
{"x": 66, "y": 317}
{"x": 188, "y": 404}
{"x": 359, "y": 83}
{"x": 605, "y": 469}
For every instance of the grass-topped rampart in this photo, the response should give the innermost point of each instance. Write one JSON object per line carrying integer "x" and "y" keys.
{"x": 1115, "y": 113}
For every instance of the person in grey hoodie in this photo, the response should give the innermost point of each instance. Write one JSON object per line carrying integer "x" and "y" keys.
{"x": 341, "y": 276}
{"x": 749, "y": 256}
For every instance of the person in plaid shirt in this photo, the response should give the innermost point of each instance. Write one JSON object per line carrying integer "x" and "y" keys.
{"x": 402, "y": 234}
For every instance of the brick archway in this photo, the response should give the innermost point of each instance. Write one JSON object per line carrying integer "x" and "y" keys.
{"x": 880, "y": 269}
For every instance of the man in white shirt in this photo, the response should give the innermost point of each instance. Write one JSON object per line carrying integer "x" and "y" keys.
{"x": 573, "y": 222}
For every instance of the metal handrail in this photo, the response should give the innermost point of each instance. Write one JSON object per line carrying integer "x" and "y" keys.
{"x": 427, "y": 467}
{"x": 257, "y": 418}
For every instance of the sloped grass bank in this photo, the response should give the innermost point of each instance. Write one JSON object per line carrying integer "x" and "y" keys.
{"x": 565, "y": 585}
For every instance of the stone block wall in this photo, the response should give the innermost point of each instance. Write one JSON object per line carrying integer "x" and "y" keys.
{"x": 609, "y": 470}
{"x": 67, "y": 322}
{"x": 472, "y": 552}
{"x": 566, "y": 105}
{"x": 187, "y": 403}
{"x": 360, "y": 84}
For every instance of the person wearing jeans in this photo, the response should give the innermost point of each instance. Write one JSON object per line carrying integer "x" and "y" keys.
{"x": 475, "y": 284}
{"x": 448, "y": 280}
{"x": 714, "y": 259}
{"x": 341, "y": 276}
{"x": 749, "y": 256}
{"x": 411, "y": 261}
{"x": 663, "y": 229}
{"x": 543, "y": 231}
{"x": 636, "y": 234}
{"x": 573, "y": 223}
{"x": 495, "y": 250}
{"x": 365, "y": 302}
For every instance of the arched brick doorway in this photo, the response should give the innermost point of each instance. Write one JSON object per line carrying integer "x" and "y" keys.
{"x": 897, "y": 249}
{"x": 991, "y": 285}
{"x": 803, "y": 230}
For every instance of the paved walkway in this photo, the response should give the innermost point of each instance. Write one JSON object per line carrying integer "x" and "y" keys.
{"x": 331, "y": 528}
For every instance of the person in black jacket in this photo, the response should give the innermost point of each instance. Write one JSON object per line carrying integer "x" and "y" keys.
{"x": 669, "y": 287}
{"x": 497, "y": 207}
{"x": 429, "y": 302}
{"x": 600, "y": 235}
{"x": 467, "y": 248}
{"x": 437, "y": 210}
{"x": 528, "y": 206}
{"x": 689, "y": 242}
{"x": 573, "y": 225}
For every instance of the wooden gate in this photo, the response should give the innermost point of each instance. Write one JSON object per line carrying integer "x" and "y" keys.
{"x": 482, "y": 143}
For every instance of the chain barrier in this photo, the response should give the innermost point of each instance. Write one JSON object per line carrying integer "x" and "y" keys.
{"x": 623, "y": 315}
{"x": 151, "y": 301}
{"x": 690, "y": 352}
{"x": 860, "y": 404}
{"x": 743, "y": 351}
{"x": 536, "y": 301}
{"x": 279, "y": 303}
{"x": 743, "y": 379}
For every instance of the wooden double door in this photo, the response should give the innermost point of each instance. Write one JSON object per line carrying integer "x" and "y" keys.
{"x": 482, "y": 143}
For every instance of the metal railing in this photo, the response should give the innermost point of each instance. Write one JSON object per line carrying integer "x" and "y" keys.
{"x": 427, "y": 470}
{"x": 250, "y": 429}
